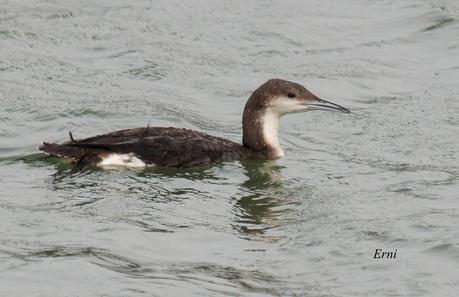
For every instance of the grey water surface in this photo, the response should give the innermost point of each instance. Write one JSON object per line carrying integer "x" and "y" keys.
{"x": 383, "y": 177}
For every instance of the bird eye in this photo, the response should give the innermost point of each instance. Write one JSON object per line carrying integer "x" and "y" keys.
{"x": 291, "y": 95}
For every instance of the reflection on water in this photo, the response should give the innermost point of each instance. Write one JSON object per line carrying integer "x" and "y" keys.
{"x": 261, "y": 204}
{"x": 264, "y": 204}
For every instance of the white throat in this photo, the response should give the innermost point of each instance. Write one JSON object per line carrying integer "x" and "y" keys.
{"x": 270, "y": 124}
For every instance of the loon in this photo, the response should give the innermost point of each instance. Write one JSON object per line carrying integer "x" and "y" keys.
{"x": 178, "y": 147}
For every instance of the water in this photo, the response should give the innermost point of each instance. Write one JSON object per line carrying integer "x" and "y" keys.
{"x": 385, "y": 176}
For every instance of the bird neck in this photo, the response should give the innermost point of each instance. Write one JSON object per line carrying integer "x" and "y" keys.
{"x": 260, "y": 132}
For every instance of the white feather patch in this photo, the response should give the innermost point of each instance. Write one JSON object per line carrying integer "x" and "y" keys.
{"x": 129, "y": 160}
{"x": 270, "y": 131}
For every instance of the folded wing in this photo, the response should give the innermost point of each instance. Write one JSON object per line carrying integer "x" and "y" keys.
{"x": 160, "y": 146}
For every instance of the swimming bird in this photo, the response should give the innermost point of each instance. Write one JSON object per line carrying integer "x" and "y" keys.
{"x": 178, "y": 147}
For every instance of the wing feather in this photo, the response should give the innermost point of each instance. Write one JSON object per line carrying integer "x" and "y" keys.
{"x": 162, "y": 146}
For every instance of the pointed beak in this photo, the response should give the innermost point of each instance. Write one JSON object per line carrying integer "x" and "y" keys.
{"x": 319, "y": 104}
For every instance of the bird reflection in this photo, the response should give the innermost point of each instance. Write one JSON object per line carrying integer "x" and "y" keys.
{"x": 264, "y": 203}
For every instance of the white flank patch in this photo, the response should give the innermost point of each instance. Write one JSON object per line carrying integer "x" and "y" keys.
{"x": 129, "y": 160}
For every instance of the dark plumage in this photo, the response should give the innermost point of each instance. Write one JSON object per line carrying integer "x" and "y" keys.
{"x": 176, "y": 147}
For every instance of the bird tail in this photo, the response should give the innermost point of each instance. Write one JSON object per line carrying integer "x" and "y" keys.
{"x": 62, "y": 150}
{"x": 83, "y": 154}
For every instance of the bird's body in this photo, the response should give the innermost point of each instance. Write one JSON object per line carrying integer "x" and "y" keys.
{"x": 163, "y": 146}
{"x": 177, "y": 147}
